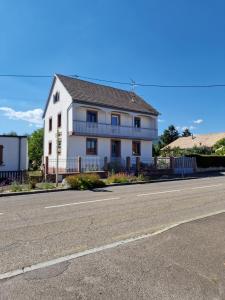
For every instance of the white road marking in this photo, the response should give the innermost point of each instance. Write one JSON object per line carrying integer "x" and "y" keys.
{"x": 206, "y": 186}
{"x": 58, "y": 260}
{"x": 158, "y": 193}
{"x": 181, "y": 190}
{"x": 138, "y": 195}
{"x": 1, "y": 214}
{"x": 83, "y": 202}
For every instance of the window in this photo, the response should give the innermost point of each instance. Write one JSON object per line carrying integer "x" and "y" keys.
{"x": 92, "y": 116}
{"x": 1, "y": 154}
{"x": 136, "y": 148}
{"x": 115, "y": 120}
{"x": 91, "y": 146}
{"x": 50, "y": 148}
{"x": 50, "y": 124}
{"x": 56, "y": 97}
{"x": 137, "y": 122}
{"x": 59, "y": 120}
{"x": 115, "y": 148}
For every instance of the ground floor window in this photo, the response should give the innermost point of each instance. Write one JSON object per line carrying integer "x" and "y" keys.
{"x": 50, "y": 148}
{"x": 1, "y": 154}
{"x": 91, "y": 146}
{"x": 115, "y": 148}
{"x": 136, "y": 148}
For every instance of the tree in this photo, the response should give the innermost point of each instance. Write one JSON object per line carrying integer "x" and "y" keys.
{"x": 169, "y": 135}
{"x": 186, "y": 132}
{"x": 156, "y": 148}
{"x": 219, "y": 144}
{"x": 12, "y": 133}
{"x": 35, "y": 148}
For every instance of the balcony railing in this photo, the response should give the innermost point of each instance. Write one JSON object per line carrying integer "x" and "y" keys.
{"x": 108, "y": 130}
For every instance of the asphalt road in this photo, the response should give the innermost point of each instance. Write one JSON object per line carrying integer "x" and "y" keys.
{"x": 152, "y": 241}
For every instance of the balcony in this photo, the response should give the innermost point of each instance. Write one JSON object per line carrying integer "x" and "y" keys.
{"x": 108, "y": 130}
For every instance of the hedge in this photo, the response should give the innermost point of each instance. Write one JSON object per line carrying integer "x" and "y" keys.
{"x": 209, "y": 161}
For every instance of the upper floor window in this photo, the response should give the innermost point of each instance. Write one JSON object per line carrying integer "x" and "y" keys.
{"x": 136, "y": 148}
{"x": 50, "y": 124}
{"x": 115, "y": 119}
{"x": 59, "y": 120}
{"x": 91, "y": 146}
{"x": 92, "y": 116}
{"x": 137, "y": 122}
{"x": 1, "y": 154}
{"x": 50, "y": 148}
{"x": 56, "y": 97}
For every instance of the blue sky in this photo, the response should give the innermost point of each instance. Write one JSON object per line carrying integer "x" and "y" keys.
{"x": 151, "y": 41}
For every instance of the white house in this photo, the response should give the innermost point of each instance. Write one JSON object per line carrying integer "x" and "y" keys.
{"x": 13, "y": 153}
{"x": 96, "y": 122}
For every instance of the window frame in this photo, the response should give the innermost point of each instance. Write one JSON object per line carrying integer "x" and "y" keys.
{"x": 91, "y": 112}
{"x": 50, "y": 122}
{"x": 50, "y": 148}
{"x": 56, "y": 97}
{"x": 139, "y": 152}
{"x": 59, "y": 115}
{"x": 118, "y": 118}
{"x": 137, "y": 118}
{"x": 1, "y": 154}
{"x": 96, "y": 146}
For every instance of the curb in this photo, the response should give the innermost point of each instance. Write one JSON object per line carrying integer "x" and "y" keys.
{"x": 31, "y": 192}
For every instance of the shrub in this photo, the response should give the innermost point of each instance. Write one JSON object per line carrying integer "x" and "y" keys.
{"x": 124, "y": 178}
{"x": 84, "y": 181}
{"x": 15, "y": 187}
{"x": 46, "y": 186}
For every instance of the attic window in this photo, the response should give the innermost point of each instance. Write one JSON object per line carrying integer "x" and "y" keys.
{"x": 56, "y": 97}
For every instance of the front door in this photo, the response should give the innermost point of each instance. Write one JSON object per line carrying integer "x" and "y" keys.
{"x": 115, "y": 148}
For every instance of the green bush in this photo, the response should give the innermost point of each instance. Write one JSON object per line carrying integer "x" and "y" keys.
{"x": 46, "y": 186}
{"x": 123, "y": 178}
{"x": 15, "y": 187}
{"x": 84, "y": 181}
{"x": 209, "y": 161}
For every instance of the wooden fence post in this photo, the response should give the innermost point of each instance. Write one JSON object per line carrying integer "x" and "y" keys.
{"x": 138, "y": 164}
{"x": 105, "y": 163}
{"x": 79, "y": 169}
{"x": 46, "y": 165}
{"x": 171, "y": 162}
{"x": 155, "y": 162}
{"x": 128, "y": 163}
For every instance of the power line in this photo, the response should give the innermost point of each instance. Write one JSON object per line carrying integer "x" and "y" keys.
{"x": 120, "y": 82}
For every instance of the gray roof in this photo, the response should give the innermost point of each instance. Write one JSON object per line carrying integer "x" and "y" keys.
{"x": 102, "y": 95}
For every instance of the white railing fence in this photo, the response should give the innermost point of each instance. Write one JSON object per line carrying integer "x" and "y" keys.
{"x": 94, "y": 128}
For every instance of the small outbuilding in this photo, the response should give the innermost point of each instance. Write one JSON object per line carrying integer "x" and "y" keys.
{"x": 13, "y": 153}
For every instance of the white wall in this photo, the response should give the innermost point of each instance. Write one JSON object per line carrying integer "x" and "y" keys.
{"x": 53, "y": 110}
{"x": 104, "y": 116}
{"x": 11, "y": 153}
{"x": 77, "y": 147}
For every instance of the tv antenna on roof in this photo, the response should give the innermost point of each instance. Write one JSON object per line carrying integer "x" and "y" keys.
{"x": 133, "y": 85}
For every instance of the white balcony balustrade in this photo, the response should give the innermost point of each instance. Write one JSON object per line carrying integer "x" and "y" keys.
{"x": 108, "y": 130}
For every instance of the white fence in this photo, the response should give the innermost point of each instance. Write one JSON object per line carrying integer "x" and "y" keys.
{"x": 184, "y": 165}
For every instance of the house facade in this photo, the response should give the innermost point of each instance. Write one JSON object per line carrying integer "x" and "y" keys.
{"x": 96, "y": 123}
{"x": 13, "y": 153}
